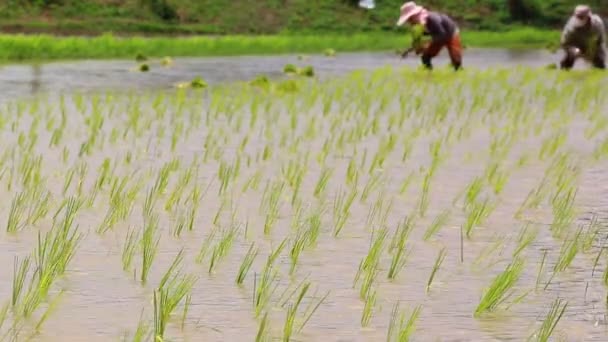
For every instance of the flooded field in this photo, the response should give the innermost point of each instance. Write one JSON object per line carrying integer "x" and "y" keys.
{"x": 388, "y": 204}
{"x": 94, "y": 75}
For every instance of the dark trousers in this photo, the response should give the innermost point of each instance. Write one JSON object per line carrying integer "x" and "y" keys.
{"x": 598, "y": 60}
{"x": 454, "y": 47}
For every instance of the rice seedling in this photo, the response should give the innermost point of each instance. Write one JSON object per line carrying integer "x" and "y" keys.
{"x": 223, "y": 246}
{"x": 524, "y": 239}
{"x": 264, "y": 288}
{"x": 540, "y": 269}
{"x": 271, "y": 203}
{"x": 246, "y": 264}
{"x": 400, "y": 329}
{"x": 556, "y": 312}
{"x": 477, "y": 213}
{"x": 398, "y": 246}
{"x": 436, "y": 266}
{"x": 20, "y": 271}
{"x": 128, "y": 249}
{"x": 292, "y": 311}
{"x": 262, "y": 334}
{"x": 368, "y": 267}
{"x": 149, "y": 244}
{"x": 500, "y": 288}
{"x": 174, "y": 287}
{"x": 342, "y": 205}
{"x": 590, "y": 235}
{"x": 569, "y": 249}
{"x": 439, "y": 221}
{"x": 368, "y": 308}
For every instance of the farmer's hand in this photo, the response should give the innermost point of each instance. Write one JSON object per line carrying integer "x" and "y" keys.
{"x": 420, "y": 49}
{"x": 575, "y": 51}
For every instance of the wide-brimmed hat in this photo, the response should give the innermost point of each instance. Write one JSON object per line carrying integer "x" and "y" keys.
{"x": 408, "y": 10}
{"x": 582, "y": 11}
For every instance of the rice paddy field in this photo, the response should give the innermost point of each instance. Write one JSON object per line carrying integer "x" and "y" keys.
{"x": 389, "y": 204}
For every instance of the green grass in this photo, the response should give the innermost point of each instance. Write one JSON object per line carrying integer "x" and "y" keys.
{"x": 47, "y": 47}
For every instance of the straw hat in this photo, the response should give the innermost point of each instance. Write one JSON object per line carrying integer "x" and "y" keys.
{"x": 408, "y": 10}
{"x": 582, "y": 11}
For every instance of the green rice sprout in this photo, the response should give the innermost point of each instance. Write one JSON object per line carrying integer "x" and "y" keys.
{"x": 477, "y": 213}
{"x": 525, "y": 238}
{"x": 298, "y": 244}
{"x": 149, "y": 243}
{"x": 262, "y": 334}
{"x": 568, "y": 252}
{"x": 20, "y": 271}
{"x": 439, "y": 221}
{"x": 128, "y": 249}
{"x": 590, "y": 235}
{"x": 322, "y": 182}
{"x": 399, "y": 328}
{"x": 499, "y": 289}
{"x": 438, "y": 262}
{"x": 556, "y": 312}
{"x": 368, "y": 308}
{"x": 16, "y": 213}
{"x": 373, "y": 182}
{"x": 563, "y": 210}
{"x": 398, "y": 247}
{"x": 223, "y": 246}
{"x": 368, "y": 267}
{"x": 540, "y": 268}
{"x": 174, "y": 288}
{"x": 246, "y": 264}
{"x": 264, "y": 287}
{"x": 142, "y": 332}
{"x": 342, "y": 205}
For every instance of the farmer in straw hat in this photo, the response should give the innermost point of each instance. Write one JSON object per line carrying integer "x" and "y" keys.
{"x": 584, "y": 36}
{"x": 442, "y": 29}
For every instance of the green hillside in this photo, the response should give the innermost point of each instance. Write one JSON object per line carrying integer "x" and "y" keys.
{"x": 268, "y": 16}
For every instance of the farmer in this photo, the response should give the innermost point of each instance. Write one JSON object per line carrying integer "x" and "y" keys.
{"x": 584, "y": 36}
{"x": 442, "y": 29}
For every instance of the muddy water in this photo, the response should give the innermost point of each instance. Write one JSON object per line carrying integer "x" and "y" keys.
{"x": 24, "y": 79}
{"x": 102, "y": 302}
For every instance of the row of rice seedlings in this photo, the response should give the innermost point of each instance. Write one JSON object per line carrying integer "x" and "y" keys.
{"x": 401, "y": 329}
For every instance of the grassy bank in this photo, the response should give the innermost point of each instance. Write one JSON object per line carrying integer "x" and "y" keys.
{"x": 46, "y": 47}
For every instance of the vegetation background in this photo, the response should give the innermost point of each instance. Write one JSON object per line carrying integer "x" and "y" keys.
{"x": 268, "y": 16}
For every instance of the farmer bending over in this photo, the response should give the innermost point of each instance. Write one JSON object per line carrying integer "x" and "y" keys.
{"x": 442, "y": 29}
{"x": 584, "y": 36}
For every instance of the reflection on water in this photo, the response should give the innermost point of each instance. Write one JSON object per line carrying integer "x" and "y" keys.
{"x": 36, "y": 72}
